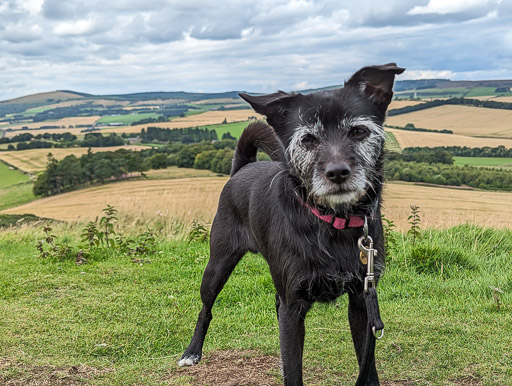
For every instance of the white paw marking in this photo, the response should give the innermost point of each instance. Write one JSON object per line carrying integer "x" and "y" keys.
{"x": 188, "y": 361}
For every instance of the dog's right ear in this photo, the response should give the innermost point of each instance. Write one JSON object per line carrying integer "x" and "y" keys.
{"x": 270, "y": 105}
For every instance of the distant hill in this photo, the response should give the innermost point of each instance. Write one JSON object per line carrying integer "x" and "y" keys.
{"x": 45, "y": 98}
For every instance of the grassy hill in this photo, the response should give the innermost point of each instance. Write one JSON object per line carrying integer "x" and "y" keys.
{"x": 126, "y": 319}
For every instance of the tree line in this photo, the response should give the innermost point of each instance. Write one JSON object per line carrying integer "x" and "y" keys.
{"x": 451, "y": 101}
{"x": 186, "y": 135}
{"x": 464, "y": 151}
{"x": 411, "y": 127}
{"x": 443, "y": 174}
{"x": 73, "y": 172}
{"x": 27, "y": 141}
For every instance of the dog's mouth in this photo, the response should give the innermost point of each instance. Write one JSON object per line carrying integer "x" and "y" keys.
{"x": 336, "y": 199}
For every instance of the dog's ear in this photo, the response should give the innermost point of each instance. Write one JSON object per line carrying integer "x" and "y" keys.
{"x": 376, "y": 82}
{"x": 271, "y": 105}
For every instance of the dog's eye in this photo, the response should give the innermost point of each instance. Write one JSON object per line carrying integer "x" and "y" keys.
{"x": 309, "y": 141}
{"x": 358, "y": 132}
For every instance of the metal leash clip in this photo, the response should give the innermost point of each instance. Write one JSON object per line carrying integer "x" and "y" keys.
{"x": 368, "y": 253}
{"x": 367, "y": 256}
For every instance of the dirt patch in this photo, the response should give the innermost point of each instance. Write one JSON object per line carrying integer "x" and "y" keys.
{"x": 230, "y": 368}
{"x": 14, "y": 373}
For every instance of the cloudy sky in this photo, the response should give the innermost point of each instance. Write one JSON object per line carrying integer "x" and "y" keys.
{"x": 122, "y": 46}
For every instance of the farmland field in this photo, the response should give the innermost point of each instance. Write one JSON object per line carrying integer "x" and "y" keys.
{"x": 34, "y": 160}
{"x": 127, "y": 119}
{"x": 408, "y": 138}
{"x": 10, "y": 177}
{"x": 396, "y": 104}
{"x": 15, "y": 187}
{"x": 63, "y": 123}
{"x": 199, "y": 120}
{"x": 497, "y": 162}
{"x": 196, "y": 198}
{"x": 462, "y": 120}
{"x": 234, "y": 128}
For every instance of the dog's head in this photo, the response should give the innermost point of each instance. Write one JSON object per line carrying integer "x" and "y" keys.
{"x": 334, "y": 139}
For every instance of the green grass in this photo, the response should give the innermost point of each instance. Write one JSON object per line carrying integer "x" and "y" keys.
{"x": 234, "y": 128}
{"x": 391, "y": 143}
{"x": 131, "y": 322}
{"x": 9, "y": 177}
{"x": 495, "y": 162}
{"x": 15, "y": 195}
{"x": 15, "y": 187}
{"x": 127, "y": 119}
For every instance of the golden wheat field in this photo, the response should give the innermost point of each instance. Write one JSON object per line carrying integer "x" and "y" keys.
{"x": 463, "y": 120}
{"x": 188, "y": 199}
{"x": 221, "y": 101}
{"x": 203, "y": 119}
{"x": 396, "y": 104}
{"x": 64, "y": 122}
{"x": 418, "y": 138}
{"x": 34, "y": 160}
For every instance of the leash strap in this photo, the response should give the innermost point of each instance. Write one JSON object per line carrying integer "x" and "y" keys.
{"x": 374, "y": 324}
{"x": 372, "y": 306}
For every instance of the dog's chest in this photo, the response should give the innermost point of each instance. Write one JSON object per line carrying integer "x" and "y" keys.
{"x": 326, "y": 279}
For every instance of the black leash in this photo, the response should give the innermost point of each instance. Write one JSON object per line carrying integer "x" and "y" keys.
{"x": 372, "y": 306}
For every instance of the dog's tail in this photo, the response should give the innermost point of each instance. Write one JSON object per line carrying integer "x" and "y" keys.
{"x": 258, "y": 135}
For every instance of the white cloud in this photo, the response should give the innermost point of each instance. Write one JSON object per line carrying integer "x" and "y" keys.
{"x": 133, "y": 45}
{"x": 79, "y": 27}
{"x": 444, "y": 7}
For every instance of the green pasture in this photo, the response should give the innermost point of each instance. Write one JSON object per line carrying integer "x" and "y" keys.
{"x": 446, "y": 303}
{"x": 392, "y": 143}
{"x": 9, "y": 177}
{"x": 127, "y": 119}
{"x": 15, "y": 187}
{"x": 495, "y": 162}
{"x": 235, "y": 128}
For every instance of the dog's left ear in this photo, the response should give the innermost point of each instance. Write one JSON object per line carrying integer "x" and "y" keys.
{"x": 376, "y": 82}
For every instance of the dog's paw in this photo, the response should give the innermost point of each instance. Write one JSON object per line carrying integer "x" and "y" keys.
{"x": 189, "y": 360}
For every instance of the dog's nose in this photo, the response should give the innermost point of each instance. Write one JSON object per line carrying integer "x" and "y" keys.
{"x": 337, "y": 173}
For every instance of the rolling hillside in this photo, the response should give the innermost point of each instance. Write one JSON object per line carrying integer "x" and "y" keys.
{"x": 462, "y": 120}
{"x": 187, "y": 199}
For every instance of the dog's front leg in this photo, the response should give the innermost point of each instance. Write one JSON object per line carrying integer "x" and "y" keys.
{"x": 358, "y": 319}
{"x": 291, "y": 337}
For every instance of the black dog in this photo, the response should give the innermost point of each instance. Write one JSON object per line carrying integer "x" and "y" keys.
{"x": 305, "y": 212}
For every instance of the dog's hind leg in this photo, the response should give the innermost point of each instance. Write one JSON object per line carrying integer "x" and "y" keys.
{"x": 358, "y": 319}
{"x": 224, "y": 257}
{"x": 291, "y": 336}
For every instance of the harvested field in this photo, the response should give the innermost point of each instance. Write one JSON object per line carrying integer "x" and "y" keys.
{"x": 173, "y": 172}
{"x": 184, "y": 199}
{"x": 463, "y": 120}
{"x": 396, "y": 104}
{"x": 64, "y": 122}
{"x": 196, "y": 198}
{"x": 417, "y": 138}
{"x": 221, "y": 101}
{"x": 34, "y": 160}
{"x": 203, "y": 119}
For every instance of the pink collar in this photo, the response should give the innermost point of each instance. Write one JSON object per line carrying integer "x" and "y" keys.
{"x": 338, "y": 222}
